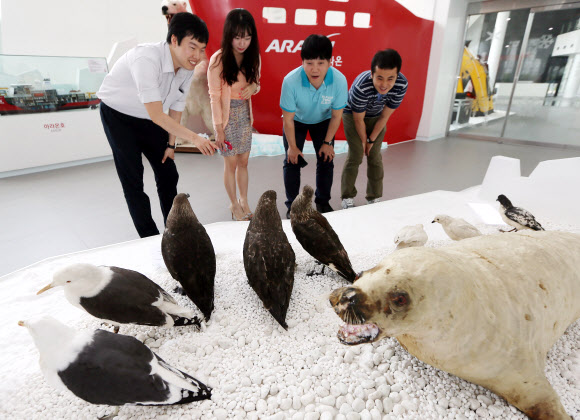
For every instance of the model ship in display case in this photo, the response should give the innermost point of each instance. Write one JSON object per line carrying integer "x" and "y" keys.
{"x": 23, "y": 99}
{"x": 31, "y": 84}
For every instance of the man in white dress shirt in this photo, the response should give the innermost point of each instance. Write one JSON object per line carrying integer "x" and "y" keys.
{"x": 142, "y": 99}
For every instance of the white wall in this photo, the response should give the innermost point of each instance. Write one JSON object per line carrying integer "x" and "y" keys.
{"x": 449, "y": 25}
{"x": 50, "y": 139}
{"x": 446, "y": 50}
{"x": 77, "y": 28}
{"x": 420, "y": 8}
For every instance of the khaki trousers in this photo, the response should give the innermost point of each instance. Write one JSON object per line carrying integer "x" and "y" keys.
{"x": 354, "y": 158}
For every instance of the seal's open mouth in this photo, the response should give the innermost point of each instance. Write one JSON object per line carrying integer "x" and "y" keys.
{"x": 358, "y": 334}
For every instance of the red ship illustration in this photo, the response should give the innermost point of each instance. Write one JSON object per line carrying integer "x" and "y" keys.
{"x": 358, "y": 30}
{"x": 24, "y": 99}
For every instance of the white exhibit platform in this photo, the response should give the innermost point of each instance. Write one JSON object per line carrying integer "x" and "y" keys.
{"x": 272, "y": 145}
{"x": 259, "y": 370}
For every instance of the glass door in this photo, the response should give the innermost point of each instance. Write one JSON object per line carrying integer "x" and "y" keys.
{"x": 546, "y": 102}
{"x": 492, "y": 46}
{"x": 520, "y": 76}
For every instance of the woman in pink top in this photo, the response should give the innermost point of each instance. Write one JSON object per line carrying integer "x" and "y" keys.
{"x": 233, "y": 77}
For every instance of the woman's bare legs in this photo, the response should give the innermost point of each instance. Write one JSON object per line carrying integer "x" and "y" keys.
{"x": 243, "y": 179}
{"x": 230, "y": 164}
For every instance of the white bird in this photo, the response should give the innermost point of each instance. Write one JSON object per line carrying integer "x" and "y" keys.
{"x": 456, "y": 229}
{"x": 516, "y": 217}
{"x": 120, "y": 296}
{"x": 101, "y": 367}
{"x": 410, "y": 236}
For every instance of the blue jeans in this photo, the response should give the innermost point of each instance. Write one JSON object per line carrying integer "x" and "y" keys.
{"x": 324, "y": 170}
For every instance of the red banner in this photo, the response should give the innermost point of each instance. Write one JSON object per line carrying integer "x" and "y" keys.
{"x": 388, "y": 25}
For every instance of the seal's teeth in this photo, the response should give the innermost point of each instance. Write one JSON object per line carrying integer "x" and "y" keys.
{"x": 357, "y": 333}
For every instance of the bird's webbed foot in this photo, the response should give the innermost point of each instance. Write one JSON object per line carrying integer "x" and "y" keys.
{"x": 179, "y": 290}
{"x": 111, "y": 415}
{"x": 504, "y": 231}
{"x": 314, "y": 272}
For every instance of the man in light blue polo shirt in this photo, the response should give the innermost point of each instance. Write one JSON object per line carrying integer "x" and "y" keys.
{"x": 313, "y": 97}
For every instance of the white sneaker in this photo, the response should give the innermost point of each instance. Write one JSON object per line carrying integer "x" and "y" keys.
{"x": 376, "y": 200}
{"x": 347, "y": 203}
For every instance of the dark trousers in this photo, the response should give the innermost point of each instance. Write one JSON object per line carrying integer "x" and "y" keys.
{"x": 130, "y": 137}
{"x": 324, "y": 170}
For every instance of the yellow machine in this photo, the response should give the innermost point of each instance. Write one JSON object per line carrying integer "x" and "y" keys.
{"x": 474, "y": 83}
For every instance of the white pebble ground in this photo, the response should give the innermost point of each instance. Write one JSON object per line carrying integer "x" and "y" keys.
{"x": 257, "y": 369}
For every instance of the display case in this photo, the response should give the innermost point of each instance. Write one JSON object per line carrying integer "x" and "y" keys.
{"x": 33, "y": 84}
{"x": 49, "y": 112}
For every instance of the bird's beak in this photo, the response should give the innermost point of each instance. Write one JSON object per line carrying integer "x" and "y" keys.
{"x": 187, "y": 195}
{"x": 433, "y": 221}
{"x": 21, "y": 323}
{"x": 44, "y": 289}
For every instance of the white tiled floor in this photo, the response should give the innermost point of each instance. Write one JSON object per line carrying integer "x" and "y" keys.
{"x": 67, "y": 210}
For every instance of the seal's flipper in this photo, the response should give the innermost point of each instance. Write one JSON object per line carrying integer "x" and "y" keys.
{"x": 534, "y": 396}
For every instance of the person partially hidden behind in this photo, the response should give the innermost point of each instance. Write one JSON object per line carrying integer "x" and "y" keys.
{"x": 373, "y": 97}
{"x": 146, "y": 82}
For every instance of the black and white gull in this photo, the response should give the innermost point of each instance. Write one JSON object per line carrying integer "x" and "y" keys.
{"x": 120, "y": 296}
{"x": 101, "y": 367}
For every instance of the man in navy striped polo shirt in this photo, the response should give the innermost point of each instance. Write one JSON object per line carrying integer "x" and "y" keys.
{"x": 373, "y": 97}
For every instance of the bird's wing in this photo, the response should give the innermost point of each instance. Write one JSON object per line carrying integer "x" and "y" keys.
{"x": 128, "y": 298}
{"x": 114, "y": 369}
{"x": 199, "y": 391}
{"x": 464, "y": 229}
{"x": 421, "y": 236}
{"x": 135, "y": 280}
{"x": 320, "y": 240}
{"x": 523, "y": 217}
{"x": 187, "y": 252}
{"x": 411, "y": 234}
{"x": 190, "y": 258}
{"x": 269, "y": 261}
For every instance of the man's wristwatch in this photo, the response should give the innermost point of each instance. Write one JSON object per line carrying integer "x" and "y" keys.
{"x": 171, "y": 146}
{"x": 329, "y": 143}
{"x": 370, "y": 141}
